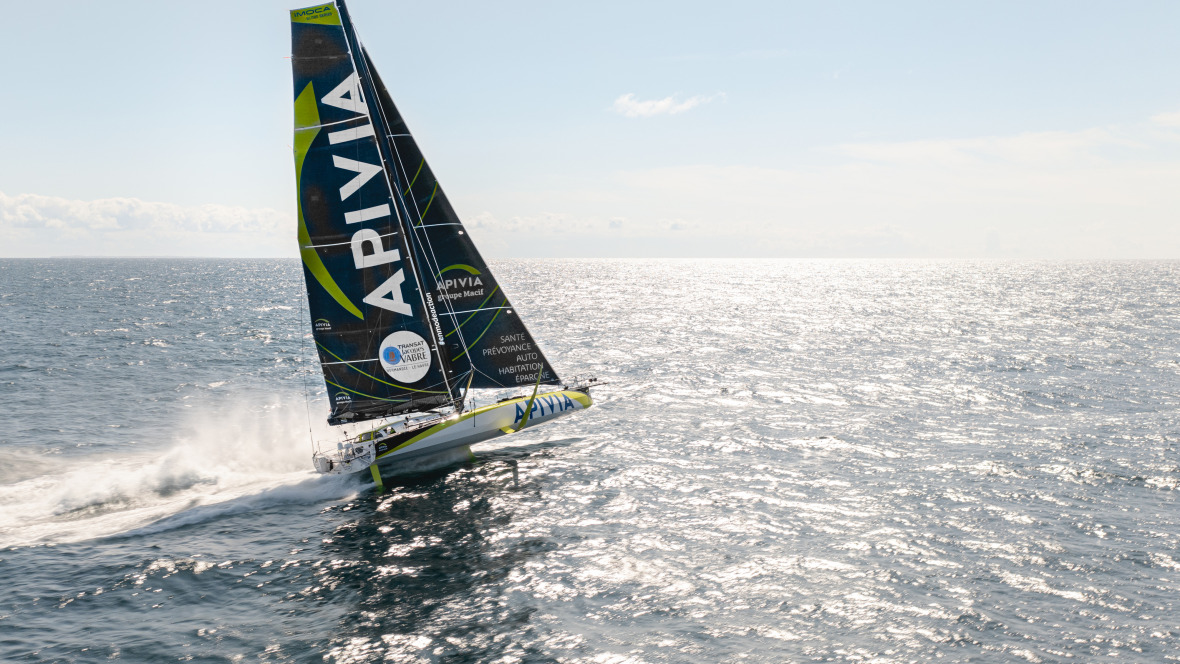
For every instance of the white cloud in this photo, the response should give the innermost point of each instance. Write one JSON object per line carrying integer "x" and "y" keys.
{"x": 1102, "y": 192}
{"x": 1105, "y": 192}
{"x": 631, "y": 107}
{"x": 38, "y": 225}
{"x": 1167, "y": 119}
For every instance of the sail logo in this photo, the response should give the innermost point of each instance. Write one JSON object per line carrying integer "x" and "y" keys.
{"x": 405, "y": 356}
{"x": 558, "y": 403}
{"x": 368, "y": 246}
{"x": 311, "y": 12}
{"x": 343, "y": 398}
{"x": 323, "y": 325}
{"x": 461, "y": 282}
{"x": 454, "y": 288}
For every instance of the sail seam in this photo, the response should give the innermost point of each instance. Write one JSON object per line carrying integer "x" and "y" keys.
{"x": 370, "y": 396}
{"x": 475, "y": 311}
{"x": 384, "y": 382}
{"x": 429, "y": 245}
{"x": 326, "y": 124}
{"x": 485, "y": 331}
{"x": 339, "y": 244}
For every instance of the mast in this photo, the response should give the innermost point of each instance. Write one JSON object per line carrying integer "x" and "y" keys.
{"x": 422, "y": 273}
{"x": 487, "y": 340}
{"x": 381, "y": 127}
{"x": 372, "y": 313}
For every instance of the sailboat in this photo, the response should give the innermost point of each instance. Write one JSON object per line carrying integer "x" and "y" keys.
{"x": 407, "y": 317}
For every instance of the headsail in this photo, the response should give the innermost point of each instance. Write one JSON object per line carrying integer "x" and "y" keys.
{"x": 377, "y": 341}
{"x": 482, "y": 330}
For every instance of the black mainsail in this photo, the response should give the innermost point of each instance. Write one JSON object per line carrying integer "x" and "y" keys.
{"x": 404, "y": 310}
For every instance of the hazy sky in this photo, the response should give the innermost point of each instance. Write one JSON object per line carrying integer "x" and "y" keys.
{"x": 629, "y": 128}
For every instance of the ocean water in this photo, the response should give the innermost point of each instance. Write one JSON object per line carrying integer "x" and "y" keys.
{"x": 809, "y": 461}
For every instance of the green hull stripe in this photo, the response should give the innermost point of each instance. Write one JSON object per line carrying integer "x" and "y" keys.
{"x": 581, "y": 398}
{"x": 307, "y": 120}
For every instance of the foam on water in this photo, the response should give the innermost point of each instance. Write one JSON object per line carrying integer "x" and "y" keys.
{"x": 223, "y": 459}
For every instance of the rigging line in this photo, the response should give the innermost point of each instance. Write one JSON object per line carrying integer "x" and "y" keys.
{"x": 342, "y": 361}
{"x": 485, "y": 331}
{"x": 393, "y": 191}
{"x": 437, "y": 275}
{"x": 354, "y": 56}
{"x": 485, "y": 375}
{"x": 422, "y": 216}
{"x": 476, "y": 310}
{"x": 430, "y": 245}
{"x": 302, "y": 355}
{"x": 399, "y": 165}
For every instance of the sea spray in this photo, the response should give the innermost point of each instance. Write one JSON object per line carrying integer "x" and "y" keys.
{"x": 222, "y": 450}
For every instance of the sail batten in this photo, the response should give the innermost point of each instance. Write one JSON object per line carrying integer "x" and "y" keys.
{"x": 370, "y": 315}
{"x": 401, "y": 301}
{"x": 504, "y": 354}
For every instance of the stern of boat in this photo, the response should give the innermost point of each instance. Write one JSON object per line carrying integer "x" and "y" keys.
{"x": 347, "y": 458}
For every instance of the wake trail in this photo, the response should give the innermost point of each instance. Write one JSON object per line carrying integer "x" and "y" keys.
{"x": 223, "y": 462}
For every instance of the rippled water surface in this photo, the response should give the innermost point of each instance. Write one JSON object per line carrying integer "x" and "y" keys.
{"x": 863, "y": 461}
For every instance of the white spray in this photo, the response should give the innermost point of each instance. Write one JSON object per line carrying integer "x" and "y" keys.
{"x": 218, "y": 461}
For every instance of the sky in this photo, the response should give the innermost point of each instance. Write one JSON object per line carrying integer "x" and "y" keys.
{"x": 617, "y": 128}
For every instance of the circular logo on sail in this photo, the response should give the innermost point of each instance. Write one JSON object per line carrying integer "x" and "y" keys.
{"x": 405, "y": 356}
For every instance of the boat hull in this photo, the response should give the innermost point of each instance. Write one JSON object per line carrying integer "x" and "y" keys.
{"x": 479, "y": 425}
